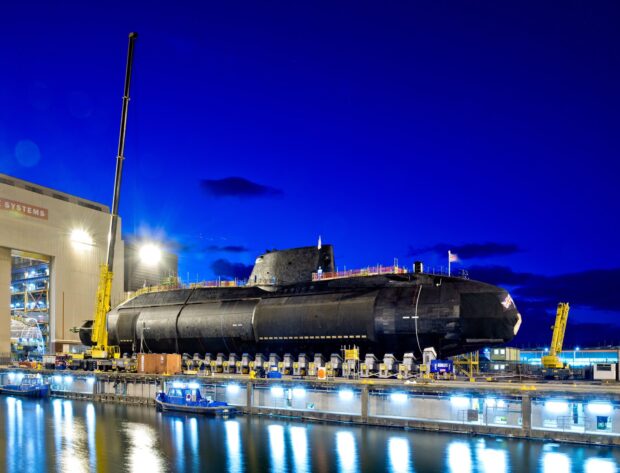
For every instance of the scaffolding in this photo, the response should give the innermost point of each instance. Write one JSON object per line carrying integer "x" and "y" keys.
{"x": 467, "y": 364}
{"x": 30, "y": 285}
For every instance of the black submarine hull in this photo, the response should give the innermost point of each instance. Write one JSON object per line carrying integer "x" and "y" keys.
{"x": 392, "y": 313}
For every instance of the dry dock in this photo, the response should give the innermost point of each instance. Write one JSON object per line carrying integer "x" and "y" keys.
{"x": 580, "y": 412}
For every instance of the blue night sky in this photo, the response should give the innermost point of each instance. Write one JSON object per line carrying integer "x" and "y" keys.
{"x": 398, "y": 129}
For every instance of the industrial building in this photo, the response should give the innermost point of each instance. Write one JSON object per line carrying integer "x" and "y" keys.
{"x": 51, "y": 248}
{"x": 576, "y": 357}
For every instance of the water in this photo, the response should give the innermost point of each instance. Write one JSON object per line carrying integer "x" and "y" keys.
{"x": 70, "y": 436}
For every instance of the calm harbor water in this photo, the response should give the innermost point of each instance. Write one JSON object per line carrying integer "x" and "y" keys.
{"x": 58, "y": 435}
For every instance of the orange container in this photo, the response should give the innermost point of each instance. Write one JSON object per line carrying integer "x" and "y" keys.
{"x": 321, "y": 372}
{"x": 148, "y": 363}
{"x": 172, "y": 364}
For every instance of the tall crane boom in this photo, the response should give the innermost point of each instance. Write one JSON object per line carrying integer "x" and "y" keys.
{"x": 99, "y": 334}
{"x": 552, "y": 360}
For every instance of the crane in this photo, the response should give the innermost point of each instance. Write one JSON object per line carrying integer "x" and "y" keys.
{"x": 551, "y": 362}
{"x": 99, "y": 335}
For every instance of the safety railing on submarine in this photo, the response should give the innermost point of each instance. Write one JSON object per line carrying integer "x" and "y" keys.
{"x": 377, "y": 270}
{"x": 179, "y": 285}
{"x": 175, "y": 283}
{"x": 367, "y": 271}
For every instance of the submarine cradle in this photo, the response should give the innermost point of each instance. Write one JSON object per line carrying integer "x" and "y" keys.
{"x": 283, "y": 309}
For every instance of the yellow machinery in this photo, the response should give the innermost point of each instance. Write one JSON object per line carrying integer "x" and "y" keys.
{"x": 552, "y": 360}
{"x": 99, "y": 335}
{"x": 468, "y": 364}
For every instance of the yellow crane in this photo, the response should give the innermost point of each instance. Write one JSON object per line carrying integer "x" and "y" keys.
{"x": 99, "y": 335}
{"x": 552, "y": 360}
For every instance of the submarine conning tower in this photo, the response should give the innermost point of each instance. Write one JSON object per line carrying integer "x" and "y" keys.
{"x": 282, "y": 267}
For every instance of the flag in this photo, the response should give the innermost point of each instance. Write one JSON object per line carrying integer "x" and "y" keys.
{"x": 452, "y": 257}
{"x": 319, "y": 245}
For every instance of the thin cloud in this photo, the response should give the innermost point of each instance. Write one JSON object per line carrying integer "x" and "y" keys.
{"x": 226, "y": 249}
{"x": 595, "y": 289}
{"x": 499, "y": 275}
{"x": 238, "y": 187}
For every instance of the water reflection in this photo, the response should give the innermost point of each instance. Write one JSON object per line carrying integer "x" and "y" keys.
{"x": 193, "y": 436}
{"x": 59, "y": 435}
{"x": 179, "y": 440}
{"x": 299, "y": 446}
{"x": 491, "y": 460}
{"x": 143, "y": 452}
{"x": 556, "y": 462}
{"x": 276, "y": 446}
{"x": 233, "y": 445}
{"x": 90, "y": 434}
{"x": 600, "y": 465}
{"x": 459, "y": 457}
{"x": 346, "y": 452}
{"x": 398, "y": 450}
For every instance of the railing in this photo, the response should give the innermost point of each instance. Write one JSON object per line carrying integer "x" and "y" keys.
{"x": 368, "y": 271}
{"x": 377, "y": 270}
{"x": 179, "y": 285}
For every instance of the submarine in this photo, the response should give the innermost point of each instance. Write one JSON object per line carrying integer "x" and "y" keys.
{"x": 295, "y": 303}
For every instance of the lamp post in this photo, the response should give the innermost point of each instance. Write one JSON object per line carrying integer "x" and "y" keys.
{"x": 575, "y": 354}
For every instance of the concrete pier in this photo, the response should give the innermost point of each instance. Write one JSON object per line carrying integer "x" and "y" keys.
{"x": 582, "y": 413}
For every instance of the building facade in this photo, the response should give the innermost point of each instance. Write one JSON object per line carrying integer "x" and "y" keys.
{"x": 51, "y": 247}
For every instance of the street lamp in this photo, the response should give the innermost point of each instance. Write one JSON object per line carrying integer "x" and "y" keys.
{"x": 80, "y": 238}
{"x": 575, "y": 354}
{"x": 150, "y": 254}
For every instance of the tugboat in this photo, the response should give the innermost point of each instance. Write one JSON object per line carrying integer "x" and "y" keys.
{"x": 188, "y": 399}
{"x": 32, "y": 385}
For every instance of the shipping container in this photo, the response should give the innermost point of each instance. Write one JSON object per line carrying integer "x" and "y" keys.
{"x": 148, "y": 363}
{"x": 172, "y": 364}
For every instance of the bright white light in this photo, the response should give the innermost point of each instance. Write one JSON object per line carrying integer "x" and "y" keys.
{"x": 501, "y": 404}
{"x": 232, "y": 388}
{"x": 57, "y": 379}
{"x": 277, "y": 391}
{"x": 347, "y": 454}
{"x": 492, "y": 460}
{"x": 490, "y": 402}
{"x": 299, "y": 392}
{"x": 81, "y": 238}
{"x": 555, "y": 462}
{"x": 599, "y": 465}
{"x": 150, "y": 254}
{"x": 399, "y": 398}
{"x": 143, "y": 453}
{"x": 68, "y": 379}
{"x": 556, "y": 407}
{"x": 460, "y": 401}
{"x": 600, "y": 408}
{"x": 299, "y": 446}
{"x": 90, "y": 380}
{"x": 459, "y": 457}
{"x": 178, "y": 384}
{"x": 233, "y": 445}
{"x": 345, "y": 394}
{"x": 277, "y": 447}
{"x": 398, "y": 451}
{"x": 193, "y": 386}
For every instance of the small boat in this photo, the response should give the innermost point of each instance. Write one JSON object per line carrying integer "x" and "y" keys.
{"x": 31, "y": 385}
{"x": 190, "y": 400}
